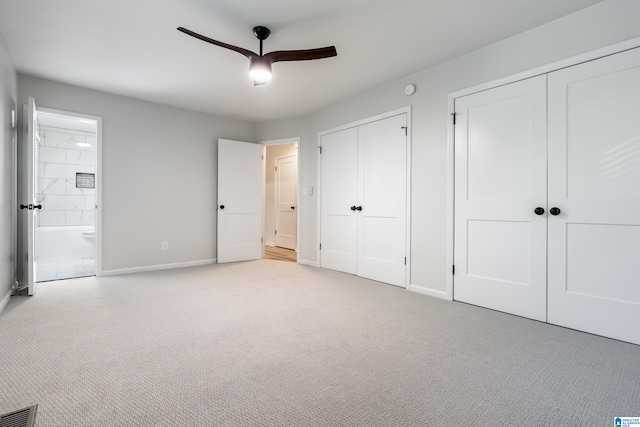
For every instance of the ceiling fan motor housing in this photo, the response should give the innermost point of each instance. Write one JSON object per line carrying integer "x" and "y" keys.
{"x": 261, "y": 32}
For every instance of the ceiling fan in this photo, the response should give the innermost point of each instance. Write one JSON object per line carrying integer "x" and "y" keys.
{"x": 260, "y": 68}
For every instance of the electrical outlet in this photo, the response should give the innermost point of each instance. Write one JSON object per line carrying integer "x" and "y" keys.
{"x": 165, "y": 246}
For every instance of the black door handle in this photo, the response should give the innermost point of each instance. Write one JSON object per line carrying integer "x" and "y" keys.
{"x": 554, "y": 211}
{"x": 538, "y": 211}
{"x": 353, "y": 208}
{"x": 30, "y": 206}
{"x": 359, "y": 208}
{"x": 221, "y": 206}
{"x": 293, "y": 207}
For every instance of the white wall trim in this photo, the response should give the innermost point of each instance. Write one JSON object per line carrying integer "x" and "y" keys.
{"x": 545, "y": 69}
{"x": 281, "y": 141}
{"x": 364, "y": 121}
{"x": 5, "y": 300}
{"x": 307, "y": 262}
{"x": 450, "y": 229}
{"x": 428, "y": 291}
{"x": 407, "y": 277}
{"x": 158, "y": 267}
{"x": 404, "y": 110}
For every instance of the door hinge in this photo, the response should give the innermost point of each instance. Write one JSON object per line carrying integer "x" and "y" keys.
{"x": 262, "y": 156}
{"x": 276, "y": 232}
{"x": 261, "y": 240}
{"x": 320, "y": 147}
{"x": 320, "y": 246}
{"x": 454, "y": 118}
{"x": 276, "y": 168}
{"x": 405, "y": 260}
{"x": 453, "y": 269}
{"x": 405, "y": 130}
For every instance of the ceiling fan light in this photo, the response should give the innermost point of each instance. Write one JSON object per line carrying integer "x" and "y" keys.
{"x": 260, "y": 70}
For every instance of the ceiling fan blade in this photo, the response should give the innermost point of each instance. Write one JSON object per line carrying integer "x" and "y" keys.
{"x": 300, "y": 55}
{"x": 244, "y": 52}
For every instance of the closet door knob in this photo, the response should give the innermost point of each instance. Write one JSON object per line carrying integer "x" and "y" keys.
{"x": 353, "y": 208}
{"x": 359, "y": 208}
{"x": 221, "y": 206}
{"x": 538, "y": 211}
{"x": 554, "y": 211}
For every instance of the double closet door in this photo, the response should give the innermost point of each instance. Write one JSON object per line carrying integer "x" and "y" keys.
{"x": 363, "y": 219}
{"x": 547, "y": 197}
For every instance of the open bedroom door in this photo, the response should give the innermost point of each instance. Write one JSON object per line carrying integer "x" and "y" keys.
{"x": 239, "y": 201}
{"x": 28, "y": 205}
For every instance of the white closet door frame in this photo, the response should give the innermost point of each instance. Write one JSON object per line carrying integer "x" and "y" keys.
{"x": 405, "y": 110}
{"x": 545, "y": 69}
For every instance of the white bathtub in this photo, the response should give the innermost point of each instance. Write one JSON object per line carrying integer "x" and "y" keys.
{"x": 72, "y": 241}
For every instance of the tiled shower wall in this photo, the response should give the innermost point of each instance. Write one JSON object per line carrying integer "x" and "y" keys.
{"x": 59, "y": 159}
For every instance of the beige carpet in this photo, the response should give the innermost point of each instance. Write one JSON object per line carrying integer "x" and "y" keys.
{"x": 270, "y": 343}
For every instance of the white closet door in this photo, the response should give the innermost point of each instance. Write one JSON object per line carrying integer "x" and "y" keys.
{"x": 500, "y": 179}
{"x": 594, "y": 179}
{"x": 382, "y": 200}
{"x": 239, "y": 201}
{"x": 338, "y": 228}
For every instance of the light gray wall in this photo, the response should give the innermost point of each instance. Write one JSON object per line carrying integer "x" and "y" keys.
{"x": 601, "y": 25}
{"x": 8, "y": 91}
{"x": 273, "y": 152}
{"x": 158, "y": 172}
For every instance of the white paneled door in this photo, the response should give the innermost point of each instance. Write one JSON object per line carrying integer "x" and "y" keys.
{"x": 500, "y": 181}
{"x": 28, "y": 205}
{"x": 286, "y": 193}
{"x": 364, "y": 200}
{"x": 339, "y": 183}
{"x": 382, "y": 201}
{"x": 547, "y": 206}
{"x": 239, "y": 201}
{"x": 594, "y": 182}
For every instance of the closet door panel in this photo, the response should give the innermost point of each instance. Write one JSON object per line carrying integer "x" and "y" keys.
{"x": 594, "y": 179}
{"x": 339, "y": 184}
{"x": 382, "y": 191}
{"x": 500, "y": 179}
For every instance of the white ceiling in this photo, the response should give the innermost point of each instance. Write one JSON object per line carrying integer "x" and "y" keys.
{"x": 132, "y": 47}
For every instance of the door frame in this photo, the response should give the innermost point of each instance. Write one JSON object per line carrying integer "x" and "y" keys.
{"x": 404, "y": 110}
{"x": 282, "y": 141}
{"x": 98, "y": 120}
{"x": 451, "y": 97}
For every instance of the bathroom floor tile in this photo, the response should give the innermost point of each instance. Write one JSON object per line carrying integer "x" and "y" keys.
{"x": 48, "y": 269}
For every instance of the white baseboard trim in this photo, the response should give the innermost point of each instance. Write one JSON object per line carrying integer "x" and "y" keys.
{"x": 307, "y": 262}
{"x": 5, "y": 300}
{"x": 158, "y": 267}
{"x": 430, "y": 292}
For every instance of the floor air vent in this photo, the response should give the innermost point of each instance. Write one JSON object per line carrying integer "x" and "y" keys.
{"x": 21, "y": 418}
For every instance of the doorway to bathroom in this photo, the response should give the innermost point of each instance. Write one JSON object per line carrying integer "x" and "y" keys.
{"x": 281, "y": 200}
{"x": 66, "y": 167}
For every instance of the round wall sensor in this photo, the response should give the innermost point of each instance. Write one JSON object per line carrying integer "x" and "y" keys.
{"x": 410, "y": 90}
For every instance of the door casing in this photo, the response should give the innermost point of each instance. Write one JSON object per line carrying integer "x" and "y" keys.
{"x": 280, "y": 141}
